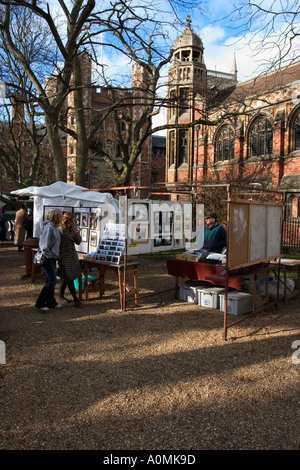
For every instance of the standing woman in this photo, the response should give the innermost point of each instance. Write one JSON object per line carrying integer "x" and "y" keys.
{"x": 69, "y": 264}
{"x": 49, "y": 245}
{"x": 20, "y": 230}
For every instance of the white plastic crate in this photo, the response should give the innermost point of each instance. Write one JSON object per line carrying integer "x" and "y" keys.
{"x": 189, "y": 291}
{"x": 238, "y": 303}
{"x": 210, "y": 296}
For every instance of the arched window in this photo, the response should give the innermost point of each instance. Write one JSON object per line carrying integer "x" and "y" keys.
{"x": 293, "y": 206}
{"x": 296, "y": 133}
{"x": 261, "y": 137}
{"x": 183, "y": 146}
{"x": 224, "y": 145}
{"x": 172, "y": 148}
{"x": 173, "y": 103}
{"x": 183, "y": 101}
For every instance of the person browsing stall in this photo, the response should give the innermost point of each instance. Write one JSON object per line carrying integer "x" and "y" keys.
{"x": 49, "y": 245}
{"x": 68, "y": 262}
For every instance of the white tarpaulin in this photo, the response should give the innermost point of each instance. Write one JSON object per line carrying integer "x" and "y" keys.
{"x": 62, "y": 194}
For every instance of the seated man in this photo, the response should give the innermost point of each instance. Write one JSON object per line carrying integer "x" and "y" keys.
{"x": 215, "y": 236}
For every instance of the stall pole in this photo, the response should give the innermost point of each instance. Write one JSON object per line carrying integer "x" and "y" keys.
{"x": 226, "y": 266}
{"x": 123, "y": 215}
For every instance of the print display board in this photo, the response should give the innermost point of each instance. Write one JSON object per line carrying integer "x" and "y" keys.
{"x": 254, "y": 233}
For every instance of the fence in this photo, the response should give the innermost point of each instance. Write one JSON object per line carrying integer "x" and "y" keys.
{"x": 291, "y": 235}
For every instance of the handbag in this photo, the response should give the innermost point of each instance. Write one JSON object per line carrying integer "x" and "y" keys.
{"x": 39, "y": 258}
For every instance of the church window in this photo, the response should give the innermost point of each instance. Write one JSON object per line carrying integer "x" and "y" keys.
{"x": 296, "y": 130}
{"x": 184, "y": 100}
{"x": 183, "y": 146}
{"x": 261, "y": 137}
{"x": 293, "y": 206}
{"x": 172, "y": 147}
{"x": 173, "y": 102}
{"x": 224, "y": 147}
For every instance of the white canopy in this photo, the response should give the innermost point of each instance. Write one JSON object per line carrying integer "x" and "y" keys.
{"x": 64, "y": 194}
{"x": 66, "y": 190}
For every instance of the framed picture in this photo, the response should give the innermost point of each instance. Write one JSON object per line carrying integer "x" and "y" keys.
{"x": 84, "y": 235}
{"x": 140, "y": 212}
{"x": 97, "y": 221}
{"x": 84, "y": 219}
{"x": 177, "y": 229}
{"x": 93, "y": 238}
{"x": 140, "y": 232}
{"x": 157, "y": 241}
{"x": 77, "y": 218}
{"x": 92, "y": 218}
{"x": 176, "y": 243}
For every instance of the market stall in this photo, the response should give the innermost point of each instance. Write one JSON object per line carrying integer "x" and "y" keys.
{"x": 92, "y": 209}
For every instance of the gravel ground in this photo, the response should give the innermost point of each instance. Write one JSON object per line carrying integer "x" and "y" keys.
{"x": 155, "y": 377}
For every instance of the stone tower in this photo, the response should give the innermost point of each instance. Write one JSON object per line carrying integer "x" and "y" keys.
{"x": 187, "y": 83}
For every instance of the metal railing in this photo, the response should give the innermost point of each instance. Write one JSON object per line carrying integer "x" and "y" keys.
{"x": 291, "y": 235}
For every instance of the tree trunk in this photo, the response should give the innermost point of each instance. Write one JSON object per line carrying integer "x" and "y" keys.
{"x": 81, "y": 123}
{"x": 57, "y": 151}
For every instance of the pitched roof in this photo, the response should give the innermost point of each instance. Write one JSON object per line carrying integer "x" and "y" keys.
{"x": 260, "y": 85}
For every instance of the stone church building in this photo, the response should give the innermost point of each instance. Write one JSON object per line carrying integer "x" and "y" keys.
{"x": 246, "y": 132}
{"x": 221, "y": 131}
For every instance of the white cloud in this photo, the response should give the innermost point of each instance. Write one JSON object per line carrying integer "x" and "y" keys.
{"x": 211, "y": 34}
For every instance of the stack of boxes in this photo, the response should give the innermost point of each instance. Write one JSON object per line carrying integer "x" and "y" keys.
{"x": 238, "y": 303}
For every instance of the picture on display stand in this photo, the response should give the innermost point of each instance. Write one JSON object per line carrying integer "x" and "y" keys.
{"x": 84, "y": 219}
{"x": 95, "y": 218}
{"x": 140, "y": 232}
{"x": 140, "y": 212}
{"x": 84, "y": 237}
{"x": 81, "y": 215}
{"x": 77, "y": 218}
{"x": 93, "y": 238}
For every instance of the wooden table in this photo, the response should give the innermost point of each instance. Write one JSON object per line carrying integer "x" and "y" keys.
{"x": 121, "y": 270}
{"x": 287, "y": 264}
{"x": 219, "y": 275}
{"x": 198, "y": 271}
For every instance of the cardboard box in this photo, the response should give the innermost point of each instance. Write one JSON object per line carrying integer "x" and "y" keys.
{"x": 238, "y": 303}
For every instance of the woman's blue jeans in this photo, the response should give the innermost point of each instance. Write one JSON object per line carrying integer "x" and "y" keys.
{"x": 46, "y": 297}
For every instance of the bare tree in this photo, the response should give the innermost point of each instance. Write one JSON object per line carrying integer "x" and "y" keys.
{"x": 62, "y": 61}
{"x": 22, "y": 130}
{"x": 273, "y": 27}
{"x": 134, "y": 30}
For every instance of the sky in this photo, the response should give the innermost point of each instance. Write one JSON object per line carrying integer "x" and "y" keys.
{"x": 224, "y": 36}
{"x": 226, "y": 33}
{"x": 254, "y": 45}
{"x": 223, "y": 29}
